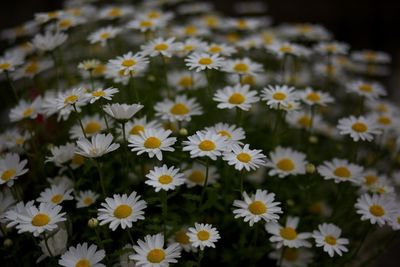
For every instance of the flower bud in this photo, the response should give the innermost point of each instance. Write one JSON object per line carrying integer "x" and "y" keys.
{"x": 310, "y": 168}
{"x": 7, "y": 243}
{"x": 183, "y": 131}
{"x": 313, "y": 139}
{"x": 93, "y": 223}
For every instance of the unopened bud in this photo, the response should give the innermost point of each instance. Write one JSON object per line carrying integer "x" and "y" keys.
{"x": 93, "y": 223}
{"x": 183, "y": 131}
{"x": 310, "y": 168}
{"x": 313, "y": 139}
{"x": 290, "y": 202}
{"x": 7, "y": 243}
{"x": 151, "y": 78}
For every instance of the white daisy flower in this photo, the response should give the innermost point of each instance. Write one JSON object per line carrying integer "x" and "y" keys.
{"x": 43, "y": 17}
{"x": 144, "y": 24}
{"x": 196, "y": 175}
{"x": 260, "y": 206}
{"x": 48, "y": 41}
{"x": 201, "y": 144}
{"x": 92, "y": 125}
{"x": 160, "y": 46}
{"x": 121, "y": 210}
{"x": 76, "y": 97}
{"x": 312, "y": 97}
{"x": 33, "y": 67}
{"x": 220, "y": 49}
{"x": 376, "y": 208}
{"x": 395, "y": 220}
{"x": 181, "y": 108}
{"x": 233, "y": 134}
{"x": 190, "y": 30}
{"x": 60, "y": 155}
{"x": 359, "y": 128}
{"x": 292, "y": 257}
{"x": 369, "y": 56}
{"x": 99, "y": 145}
{"x": 244, "y": 157}
{"x": 11, "y": 168}
{"x": 129, "y": 64}
{"x": 243, "y": 66}
{"x": 104, "y": 34}
{"x": 238, "y": 96}
{"x": 82, "y": 256}
{"x": 286, "y": 161}
{"x": 180, "y": 237}
{"x": 185, "y": 80}
{"x": 191, "y": 45}
{"x": 55, "y": 195}
{"x": 150, "y": 252}
{"x": 203, "y": 235}
{"x": 114, "y": 12}
{"x": 340, "y": 170}
{"x": 122, "y": 111}
{"x": 153, "y": 142}
{"x": 9, "y": 62}
{"x": 283, "y": 49}
{"x": 164, "y": 178}
{"x": 370, "y": 90}
{"x": 328, "y": 237}
{"x": 303, "y": 119}
{"x": 279, "y": 96}
{"x": 331, "y": 48}
{"x": 85, "y": 198}
{"x": 6, "y": 201}
{"x": 25, "y": 110}
{"x": 203, "y": 61}
{"x": 100, "y": 93}
{"x": 138, "y": 125}
{"x": 287, "y": 235}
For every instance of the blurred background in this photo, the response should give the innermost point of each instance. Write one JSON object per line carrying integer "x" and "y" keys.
{"x": 364, "y": 24}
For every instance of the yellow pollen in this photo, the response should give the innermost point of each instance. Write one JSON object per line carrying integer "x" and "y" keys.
{"x": 92, "y": 127}
{"x": 32, "y": 68}
{"x": 57, "y": 199}
{"x": 342, "y": 172}
{"x": 65, "y": 23}
{"x": 241, "y": 67}
{"x": 243, "y": 157}
{"x": 314, "y": 97}
{"x": 257, "y": 207}
{"x": 146, "y": 23}
{"x": 367, "y": 88}
{"x": 53, "y": 14}
{"x": 290, "y": 254}
{"x": 88, "y": 201}
{"x": 186, "y": 81}
{"x": 152, "y": 142}
{"x": 19, "y": 141}
{"x": 181, "y": 237}
{"x": 370, "y": 179}
{"x": 122, "y": 211}
{"x": 359, "y": 127}
{"x": 330, "y": 48}
{"x": 190, "y": 30}
{"x": 285, "y": 164}
{"x": 398, "y": 220}
{"x": 77, "y": 159}
{"x": 105, "y": 35}
{"x": 286, "y": 49}
{"x": 98, "y": 93}
{"x": 330, "y": 240}
{"x": 179, "y": 109}
{"x": 236, "y": 99}
{"x": 70, "y": 99}
{"x": 225, "y": 133}
{"x": 161, "y": 47}
{"x": 8, "y": 174}
{"x": 83, "y": 263}
{"x": 136, "y": 130}
{"x": 288, "y": 233}
{"x": 211, "y": 21}
{"x": 197, "y": 177}
{"x": 27, "y": 112}
{"x": 370, "y": 55}
{"x": 215, "y": 49}
{"x": 381, "y": 108}
{"x": 241, "y": 24}
{"x": 40, "y": 219}
{"x": 279, "y": 96}
{"x": 248, "y": 79}
{"x": 377, "y": 210}
{"x": 115, "y": 12}
{"x": 205, "y": 61}
{"x": 384, "y": 120}
{"x": 165, "y": 179}
{"x": 207, "y": 145}
{"x": 99, "y": 70}
{"x": 128, "y": 63}
{"x": 304, "y": 121}
{"x": 156, "y": 255}
{"x": 153, "y": 15}
{"x": 203, "y": 235}
{"x": 5, "y": 66}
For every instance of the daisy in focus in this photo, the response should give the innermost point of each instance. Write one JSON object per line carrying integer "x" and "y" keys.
{"x": 56, "y": 194}
{"x": 286, "y": 161}
{"x": 328, "y": 237}
{"x": 82, "y": 255}
{"x": 203, "y": 235}
{"x": 164, "y": 178}
{"x": 378, "y": 209}
{"x": 359, "y": 128}
{"x": 202, "y": 61}
{"x": 279, "y": 96}
{"x": 181, "y": 108}
{"x": 340, "y": 170}
{"x": 244, "y": 157}
{"x": 238, "y": 96}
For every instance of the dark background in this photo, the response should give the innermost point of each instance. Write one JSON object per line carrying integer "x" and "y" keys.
{"x": 364, "y": 24}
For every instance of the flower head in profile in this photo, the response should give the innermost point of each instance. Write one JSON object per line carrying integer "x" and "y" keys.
{"x": 181, "y": 108}
{"x": 99, "y": 145}
{"x": 122, "y": 112}
{"x": 82, "y": 255}
{"x": 11, "y": 167}
{"x": 100, "y": 93}
{"x": 104, "y": 34}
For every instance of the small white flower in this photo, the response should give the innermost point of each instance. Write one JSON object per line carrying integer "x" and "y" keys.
{"x": 203, "y": 61}
{"x": 370, "y": 90}
{"x": 129, "y": 64}
{"x": 283, "y": 49}
{"x": 25, "y": 110}
{"x": 209, "y": 144}
{"x": 82, "y": 255}
{"x": 286, "y": 161}
{"x": 244, "y": 157}
{"x": 122, "y": 111}
{"x": 99, "y": 145}
{"x": 11, "y": 168}
{"x": 61, "y": 154}
{"x": 232, "y": 133}
{"x": 376, "y": 208}
{"x": 292, "y": 257}
{"x": 340, "y": 170}
{"x": 359, "y": 128}
{"x": 328, "y": 237}
{"x": 104, "y": 34}
{"x": 86, "y": 198}
{"x": 196, "y": 175}
{"x": 312, "y": 97}
{"x": 220, "y": 49}
{"x": 238, "y": 96}
{"x": 179, "y": 109}
{"x": 331, "y": 48}
{"x": 242, "y": 66}
{"x": 49, "y": 41}
{"x": 369, "y": 56}
{"x": 91, "y": 125}
{"x": 161, "y": 47}
{"x": 56, "y": 194}
{"x": 100, "y": 93}
{"x": 203, "y": 235}
{"x": 164, "y": 178}
{"x": 279, "y": 96}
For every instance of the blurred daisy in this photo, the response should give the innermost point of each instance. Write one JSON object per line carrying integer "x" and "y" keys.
{"x": 82, "y": 256}
{"x": 191, "y": 45}
{"x": 220, "y": 49}
{"x": 144, "y": 24}
{"x": 292, "y": 257}
{"x": 60, "y": 155}
{"x": 233, "y": 134}
{"x": 203, "y": 235}
{"x": 129, "y": 64}
{"x": 100, "y": 93}
{"x": 196, "y": 175}
{"x": 283, "y": 49}
{"x": 181, "y": 108}
{"x": 85, "y": 198}
{"x": 48, "y": 41}
{"x": 26, "y": 110}
{"x": 138, "y": 125}
{"x": 369, "y": 56}
{"x": 340, "y": 170}
{"x": 9, "y": 62}
{"x": 104, "y": 34}
{"x": 92, "y": 125}
{"x": 56, "y": 194}
{"x": 122, "y": 111}
{"x": 114, "y": 12}
{"x": 286, "y": 161}
{"x": 359, "y": 128}
{"x": 370, "y": 90}
{"x": 260, "y": 206}
{"x": 312, "y": 97}
{"x": 201, "y": 144}
{"x": 244, "y": 157}
{"x": 331, "y": 48}
{"x": 395, "y": 221}
{"x": 160, "y": 46}
{"x": 99, "y": 145}
{"x": 376, "y": 208}
{"x": 185, "y": 80}
{"x": 151, "y": 252}
{"x": 121, "y": 210}
{"x": 33, "y": 67}
{"x": 56, "y": 244}
{"x": 287, "y": 235}
{"x": 11, "y": 168}
{"x": 164, "y": 178}
{"x": 238, "y": 96}
{"x": 180, "y": 237}
{"x": 203, "y": 61}
{"x": 328, "y": 237}
{"x": 153, "y": 142}
{"x": 242, "y": 66}
{"x": 279, "y": 96}
{"x": 76, "y": 97}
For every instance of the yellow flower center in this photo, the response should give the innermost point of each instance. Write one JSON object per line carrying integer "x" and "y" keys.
{"x": 5, "y": 66}
{"x": 243, "y": 157}
{"x": 215, "y": 49}
{"x": 161, "y": 47}
{"x": 285, "y": 164}
{"x": 40, "y": 219}
{"x": 179, "y": 109}
{"x": 165, "y": 179}
{"x": 115, "y": 12}
{"x": 186, "y": 81}
{"x": 225, "y": 133}
{"x": 236, "y": 99}
{"x": 359, "y": 127}
{"x": 32, "y": 67}
{"x": 8, "y": 174}
{"x": 257, "y": 207}
{"x": 304, "y": 121}
{"x": 152, "y": 142}
{"x": 99, "y": 93}
{"x": 279, "y": 96}
{"x": 205, "y": 61}
{"x": 248, "y": 79}
{"x": 203, "y": 235}
{"x": 330, "y": 240}
{"x": 83, "y": 263}
{"x": 241, "y": 67}
{"x": 288, "y": 233}
{"x": 56, "y": 199}
{"x": 330, "y": 48}
{"x": 70, "y": 99}
{"x": 370, "y": 55}
{"x": 197, "y": 177}
{"x": 377, "y": 210}
{"x": 105, "y": 35}
{"x": 122, "y": 211}
{"x": 153, "y": 14}
{"x": 367, "y": 88}
{"x": 290, "y": 254}
{"x": 381, "y": 108}
{"x": 188, "y": 48}
{"x": 77, "y": 159}
{"x": 370, "y": 179}
{"x": 136, "y": 129}
{"x": 27, "y": 112}
{"x": 207, "y": 145}
{"x": 128, "y": 63}
{"x": 190, "y": 30}
{"x": 181, "y": 237}
{"x": 65, "y": 23}
{"x": 286, "y": 49}
{"x": 156, "y": 255}
{"x": 342, "y": 172}
{"x": 88, "y": 201}
{"x": 384, "y": 120}
{"x": 92, "y": 127}
{"x": 146, "y": 23}
{"x": 314, "y": 97}
{"x": 242, "y": 24}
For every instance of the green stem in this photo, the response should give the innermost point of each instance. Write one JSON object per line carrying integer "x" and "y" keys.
{"x": 239, "y": 116}
{"x": 80, "y": 121}
{"x": 91, "y": 80}
{"x": 164, "y": 204}
{"x": 14, "y": 90}
{"x": 132, "y": 87}
{"x": 201, "y": 255}
{"x": 53, "y": 56}
{"x": 203, "y": 192}
{"x": 165, "y": 76}
{"x": 103, "y": 189}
